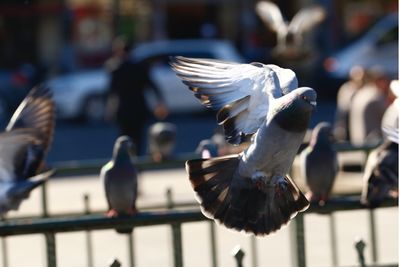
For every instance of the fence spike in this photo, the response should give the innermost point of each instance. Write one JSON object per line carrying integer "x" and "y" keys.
{"x": 360, "y": 246}
{"x": 115, "y": 263}
{"x": 238, "y": 254}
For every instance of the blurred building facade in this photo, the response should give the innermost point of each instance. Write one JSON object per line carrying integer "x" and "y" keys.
{"x": 65, "y": 35}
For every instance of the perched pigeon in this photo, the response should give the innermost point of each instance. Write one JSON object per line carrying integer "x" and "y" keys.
{"x": 249, "y": 191}
{"x": 381, "y": 172}
{"x": 23, "y": 148}
{"x": 162, "y": 138}
{"x": 290, "y": 36}
{"x": 319, "y": 164}
{"x": 119, "y": 177}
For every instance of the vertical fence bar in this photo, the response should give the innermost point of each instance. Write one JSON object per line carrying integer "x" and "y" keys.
{"x": 360, "y": 245}
{"x": 213, "y": 246}
{"x": 131, "y": 250}
{"x": 45, "y": 212}
{"x": 4, "y": 251}
{"x": 253, "y": 245}
{"x": 49, "y": 237}
{"x": 88, "y": 233}
{"x": 372, "y": 229}
{"x": 51, "y": 249}
{"x": 298, "y": 242}
{"x": 176, "y": 234}
{"x": 332, "y": 230}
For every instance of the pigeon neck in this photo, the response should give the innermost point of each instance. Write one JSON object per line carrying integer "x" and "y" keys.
{"x": 121, "y": 156}
{"x": 293, "y": 118}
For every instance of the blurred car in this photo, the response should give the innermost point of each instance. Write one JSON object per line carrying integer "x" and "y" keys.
{"x": 377, "y": 47}
{"x": 82, "y": 94}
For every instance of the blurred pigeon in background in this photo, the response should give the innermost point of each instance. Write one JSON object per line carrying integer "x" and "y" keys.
{"x": 207, "y": 148}
{"x": 249, "y": 191}
{"x": 162, "y": 139}
{"x": 24, "y": 146}
{"x": 119, "y": 177}
{"x": 381, "y": 172}
{"x": 319, "y": 164}
{"x": 290, "y": 35}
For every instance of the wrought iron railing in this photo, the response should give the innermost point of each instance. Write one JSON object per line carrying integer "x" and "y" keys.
{"x": 174, "y": 215}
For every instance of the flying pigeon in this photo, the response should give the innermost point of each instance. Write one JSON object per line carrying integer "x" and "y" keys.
{"x": 381, "y": 172}
{"x": 249, "y": 191}
{"x": 290, "y": 35}
{"x": 319, "y": 164}
{"x": 119, "y": 177}
{"x": 162, "y": 139}
{"x": 23, "y": 148}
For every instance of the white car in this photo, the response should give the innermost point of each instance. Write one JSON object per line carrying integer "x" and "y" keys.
{"x": 377, "y": 47}
{"x": 82, "y": 94}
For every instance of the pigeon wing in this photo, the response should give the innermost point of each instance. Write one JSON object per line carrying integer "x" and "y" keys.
{"x": 36, "y": 111}
{"x": 306, "y": 19}
{"x": 20, "y": 154}
{"x": 240, "y": 92}
{"x": 271, "y": 15}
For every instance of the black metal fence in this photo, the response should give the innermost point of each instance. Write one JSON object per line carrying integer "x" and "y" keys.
{"x": 174, "y": 215}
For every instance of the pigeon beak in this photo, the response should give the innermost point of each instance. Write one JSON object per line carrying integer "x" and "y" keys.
{"x": 313, "y": 103}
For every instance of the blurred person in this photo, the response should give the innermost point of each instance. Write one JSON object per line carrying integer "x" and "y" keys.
{"x": 368, "y": 106}
{"x": 357, "y": 79}
{"x": 126, "y": 101}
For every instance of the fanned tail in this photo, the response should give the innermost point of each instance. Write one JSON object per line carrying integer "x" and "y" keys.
{"x": 238, "y": 202}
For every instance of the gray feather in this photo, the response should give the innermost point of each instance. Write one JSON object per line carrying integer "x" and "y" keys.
{"x": 24, "y": 146}
{"x": 319, "y": 164}
{"x": 251, "y": 192}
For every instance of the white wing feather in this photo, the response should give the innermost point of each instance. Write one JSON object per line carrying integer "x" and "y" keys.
{"x": 271, "y": 16}
{"x": 241, "y": 92}
{"x": 306, "y": 19}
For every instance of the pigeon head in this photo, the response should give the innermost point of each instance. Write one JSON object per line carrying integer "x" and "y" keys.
{"x": 123, "y": 148}
{"x": 294, "y": 113}
{"x": 322, "y": 134}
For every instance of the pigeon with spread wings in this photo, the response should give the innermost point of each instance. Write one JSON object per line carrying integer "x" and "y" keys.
{"x": 290, "y": 35}
{"x": 23, "y": 148}
{"x": 250, "y": 191}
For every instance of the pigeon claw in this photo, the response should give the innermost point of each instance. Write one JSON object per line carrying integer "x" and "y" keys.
{"x": 112, "y": 213}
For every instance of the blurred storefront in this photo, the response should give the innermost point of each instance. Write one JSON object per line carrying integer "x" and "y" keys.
{"x": 63, "y": 35}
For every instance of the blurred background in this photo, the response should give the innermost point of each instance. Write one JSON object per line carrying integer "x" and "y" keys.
{"x": 66, "y": 43}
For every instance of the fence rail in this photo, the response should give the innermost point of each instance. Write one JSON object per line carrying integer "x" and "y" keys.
{"x": 75, "y": 167}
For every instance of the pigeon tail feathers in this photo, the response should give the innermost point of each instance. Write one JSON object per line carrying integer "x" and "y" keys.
{"x": 238, "y": 202}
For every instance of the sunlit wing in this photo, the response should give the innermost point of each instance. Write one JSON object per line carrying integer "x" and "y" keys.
{"x": 240, "y": 92}
{"x": 271, "y": 15}
{"x": 306, "y": 19}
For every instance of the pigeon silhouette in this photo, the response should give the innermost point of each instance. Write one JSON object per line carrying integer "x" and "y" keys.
{"x": 119, "y": 177}
{"x": 290, "y": 35}
{"x": 249, "y": 191}
{"x": 381, "y": 172}
{"x": 162, "y": 139}
{"x": 319, "y": 164}
{"x": 23, "y": 148}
